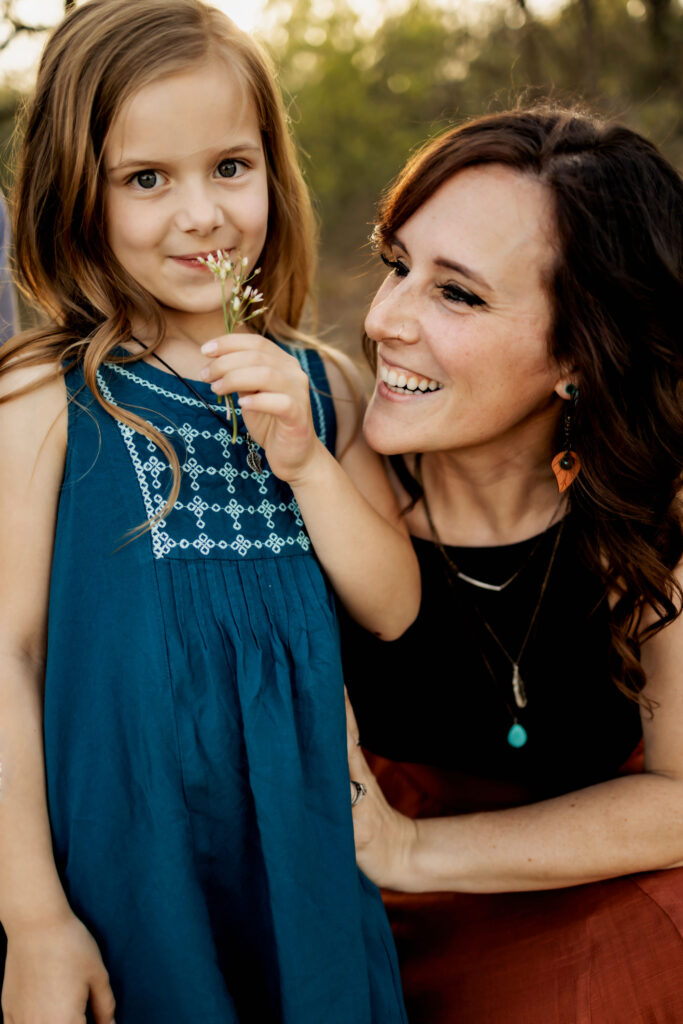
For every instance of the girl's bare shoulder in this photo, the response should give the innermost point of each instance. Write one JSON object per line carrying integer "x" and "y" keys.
{"x": 33, "y": 407}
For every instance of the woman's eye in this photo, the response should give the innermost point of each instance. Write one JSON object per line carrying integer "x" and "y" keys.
{"x": 147, "y": 179}
{"x": 400, "y": 269}
{"x": 230, "y": 168}
{"x": 454, "y": 293}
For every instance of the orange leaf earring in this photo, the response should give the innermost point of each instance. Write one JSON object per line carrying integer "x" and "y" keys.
{"x": 566, "y": 465}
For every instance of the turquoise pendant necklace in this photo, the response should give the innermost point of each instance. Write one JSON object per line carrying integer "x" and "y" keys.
{"x": 517, "y": 735}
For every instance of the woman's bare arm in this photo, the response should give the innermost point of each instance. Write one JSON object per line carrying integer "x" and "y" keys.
{"x": 628, "y": 824}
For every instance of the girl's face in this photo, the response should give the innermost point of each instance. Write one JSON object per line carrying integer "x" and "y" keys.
{"x": 186, "y": 175}
{"x": 463, "y": 319}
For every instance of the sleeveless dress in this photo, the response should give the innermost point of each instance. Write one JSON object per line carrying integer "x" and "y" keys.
{"x": 195, "y": 730}
{"x": 434, "y": 709}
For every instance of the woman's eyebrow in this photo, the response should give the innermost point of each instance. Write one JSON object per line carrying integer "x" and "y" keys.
{"x": 441, "y": 261}
{"x": 464, "y": 271}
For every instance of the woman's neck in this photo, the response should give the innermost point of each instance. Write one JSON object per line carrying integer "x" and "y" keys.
{"x": 486, "y": 499}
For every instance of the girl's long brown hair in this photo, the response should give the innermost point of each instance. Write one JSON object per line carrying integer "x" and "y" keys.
{"x": 616, "y": 291}
{"x": 102, "y": 53}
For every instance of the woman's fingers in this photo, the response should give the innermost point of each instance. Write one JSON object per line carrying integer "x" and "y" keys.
{"x": 359, "y": 770}
{"x": 352, "y": 733}
{"x": 102, "y": 1002}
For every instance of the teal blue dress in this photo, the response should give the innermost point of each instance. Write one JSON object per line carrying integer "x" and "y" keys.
{"x": 194, "y": 727}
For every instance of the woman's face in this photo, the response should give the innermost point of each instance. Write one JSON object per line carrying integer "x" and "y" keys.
{"x": 462, "y": 321}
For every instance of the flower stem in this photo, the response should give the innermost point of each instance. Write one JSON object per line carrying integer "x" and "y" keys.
{"x": 228, "y": 328}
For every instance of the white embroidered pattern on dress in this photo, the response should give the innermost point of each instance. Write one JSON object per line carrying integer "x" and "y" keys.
{"x": 209, "y": 467}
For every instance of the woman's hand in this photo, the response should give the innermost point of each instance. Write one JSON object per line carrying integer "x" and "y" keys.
{"x": 274, "y": 397}
{"x": 53, "y": 970}
{"x": 385, "y": 840}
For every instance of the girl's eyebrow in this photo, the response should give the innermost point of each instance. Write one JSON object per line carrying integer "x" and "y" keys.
{"x": 146, "y": 161}
{"x": 441, "y": 261}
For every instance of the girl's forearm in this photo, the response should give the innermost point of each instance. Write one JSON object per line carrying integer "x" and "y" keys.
{"x": 370, "y": 562}
{"x": 30, "y": 889}
{"x": 626, "y": 825}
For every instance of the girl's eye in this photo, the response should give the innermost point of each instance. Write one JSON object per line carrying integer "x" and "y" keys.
{"x": 400, "y": 269}
{"x": 230, "y": 168}
{"x": 454, "y": 293}
{"x": 147, "y": 179}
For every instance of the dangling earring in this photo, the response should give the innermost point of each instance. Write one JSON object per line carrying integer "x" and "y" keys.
{"x": 566, "y": 464}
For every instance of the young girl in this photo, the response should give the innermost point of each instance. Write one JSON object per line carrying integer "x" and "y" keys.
{"x": 171, "y": 628}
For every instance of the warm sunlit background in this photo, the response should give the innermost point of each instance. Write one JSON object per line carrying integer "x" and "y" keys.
{"x": 365, "y": 81}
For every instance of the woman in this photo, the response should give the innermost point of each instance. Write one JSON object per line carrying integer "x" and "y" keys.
{"x": 529, "y": 364}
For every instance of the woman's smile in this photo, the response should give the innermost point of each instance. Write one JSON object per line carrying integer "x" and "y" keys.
{"x": 402, "y": 381}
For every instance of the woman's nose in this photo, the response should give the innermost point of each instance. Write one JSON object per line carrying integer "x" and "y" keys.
{"x": 392, "y": 318}
{"x": 198, "y": 211}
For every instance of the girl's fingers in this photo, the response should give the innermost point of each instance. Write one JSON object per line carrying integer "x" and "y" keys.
{"x": 247, "y": 357}
{"x": 273, "y": 404}
{"x": 233, "y": 342}
{"x": 259, "y": 378}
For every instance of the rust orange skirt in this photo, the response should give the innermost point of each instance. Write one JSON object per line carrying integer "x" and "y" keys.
{"x": 606, "y": 953}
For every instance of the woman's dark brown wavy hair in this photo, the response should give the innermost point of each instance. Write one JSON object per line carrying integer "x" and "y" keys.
{"x": 616, "y": 292}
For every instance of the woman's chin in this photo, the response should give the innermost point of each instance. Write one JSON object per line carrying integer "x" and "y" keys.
{"x": 387, "y": 437}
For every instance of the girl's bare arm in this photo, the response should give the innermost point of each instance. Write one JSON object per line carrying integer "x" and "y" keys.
{"x": 347, "y": 504}
{"x": 52, "y": 961}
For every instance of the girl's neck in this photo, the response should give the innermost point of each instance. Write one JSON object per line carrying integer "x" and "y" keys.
{"x": 480, "y": 501}
{"x": 183, "y": 338}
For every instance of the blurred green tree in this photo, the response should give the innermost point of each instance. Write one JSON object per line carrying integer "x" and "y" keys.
{"x": 361, "y": 103}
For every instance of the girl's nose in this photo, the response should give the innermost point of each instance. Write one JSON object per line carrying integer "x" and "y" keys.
{"x": 199, "y": 212}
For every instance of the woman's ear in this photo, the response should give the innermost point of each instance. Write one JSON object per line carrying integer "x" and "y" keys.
{"x": 566, "y": 387}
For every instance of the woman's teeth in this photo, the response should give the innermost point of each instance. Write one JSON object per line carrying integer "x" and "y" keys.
{"x": 400, "y": 383}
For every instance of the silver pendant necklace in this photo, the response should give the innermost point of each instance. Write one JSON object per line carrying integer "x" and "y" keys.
{"x": 497, "y": 587}
{"x": 517, "y": 735}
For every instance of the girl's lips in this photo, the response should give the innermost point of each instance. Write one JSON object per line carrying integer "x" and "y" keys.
{"x": 192, "y": 260}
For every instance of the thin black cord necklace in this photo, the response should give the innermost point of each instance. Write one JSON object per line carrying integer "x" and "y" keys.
{"x": 253, "y": 458}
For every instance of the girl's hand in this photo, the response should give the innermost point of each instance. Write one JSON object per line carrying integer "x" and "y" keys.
{"x": 52, "y": 972}
{"x": 274, "y": 396}
{"x": 385, "y": 840}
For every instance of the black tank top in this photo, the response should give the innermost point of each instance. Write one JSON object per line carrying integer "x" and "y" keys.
{"x": 442, "y": 693}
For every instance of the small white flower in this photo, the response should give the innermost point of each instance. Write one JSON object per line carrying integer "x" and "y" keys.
{"x": 245, "y": 260}
{"x": 236, "y": 303}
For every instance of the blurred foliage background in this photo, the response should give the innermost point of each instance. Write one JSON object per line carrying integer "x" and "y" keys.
{"x": 361, "y": 101}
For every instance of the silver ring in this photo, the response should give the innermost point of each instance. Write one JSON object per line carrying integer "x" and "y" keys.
{"x": 360, "y": 792}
